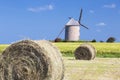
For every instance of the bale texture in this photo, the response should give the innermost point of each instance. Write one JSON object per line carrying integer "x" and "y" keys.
{"x": 85, "y": 52}
{"x": 31, "y": 60}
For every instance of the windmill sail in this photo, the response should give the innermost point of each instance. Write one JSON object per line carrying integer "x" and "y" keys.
{"x": 80, "y": 20}
{"x": 84, "y": 26}
{"x": 80, "y": 16}
{"x": 61, "y": 32}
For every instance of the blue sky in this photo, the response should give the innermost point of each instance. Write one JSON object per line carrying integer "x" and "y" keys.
{"x": 43, "y": 19}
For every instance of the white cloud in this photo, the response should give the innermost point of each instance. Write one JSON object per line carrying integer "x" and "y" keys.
{"x": 41, "y": 8}
{"x": 110, "y": 6}
{"x": 91, "y": 11}
{"x": 101, "y": 24}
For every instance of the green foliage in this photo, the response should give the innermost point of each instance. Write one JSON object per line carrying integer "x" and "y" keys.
{"x": 101, "y": 41}
{"x": 111, "y": 50}
{"x": 111, "y": 39}
{"x": 93, "y": 40}
{"x": 58, "y": 40}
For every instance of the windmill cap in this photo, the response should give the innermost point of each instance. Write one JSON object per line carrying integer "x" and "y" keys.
{"x": 72, "y": 22}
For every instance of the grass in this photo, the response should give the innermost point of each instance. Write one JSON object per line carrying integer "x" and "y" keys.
{"x": 97, "y": 69}
{"x": 104, "y": 50}
{"x": 3, "y": 47}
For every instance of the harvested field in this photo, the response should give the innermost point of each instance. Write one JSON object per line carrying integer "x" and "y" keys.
{"x": 97, "y": 69}
{"x": 106, "y": 65}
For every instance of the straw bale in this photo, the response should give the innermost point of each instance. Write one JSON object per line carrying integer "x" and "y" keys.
{"x": 31, "y": 60}
{"x": 85, "y": 52}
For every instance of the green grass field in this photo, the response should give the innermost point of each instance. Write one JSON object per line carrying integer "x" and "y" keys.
{"x": 104, "y": 50}
{"x": 110, "y": 50}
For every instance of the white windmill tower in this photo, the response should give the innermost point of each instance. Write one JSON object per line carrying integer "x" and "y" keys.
{"x": 72, "y": 29}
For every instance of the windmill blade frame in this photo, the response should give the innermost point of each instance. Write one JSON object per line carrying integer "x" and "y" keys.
{"x": 84, "y": 26}
{"x": 80, "y": 16}
{"x": 60, "y": 32}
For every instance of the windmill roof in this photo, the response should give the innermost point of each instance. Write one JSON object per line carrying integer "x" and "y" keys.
{"x": 72, "y": 22}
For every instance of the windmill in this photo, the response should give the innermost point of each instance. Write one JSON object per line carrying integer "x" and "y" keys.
{"x": 72, "y": 29}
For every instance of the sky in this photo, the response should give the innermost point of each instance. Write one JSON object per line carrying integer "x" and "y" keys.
{"x": 44, "y": 19}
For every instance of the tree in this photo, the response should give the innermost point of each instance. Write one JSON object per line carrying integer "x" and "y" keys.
{"x": 101, "y": 41}
{"x": 93, "y": 40}
{"x": 111, "y": 39}
{"x": 58, "y": 40}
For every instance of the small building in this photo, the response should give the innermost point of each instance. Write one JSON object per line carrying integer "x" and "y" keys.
{"x": 72, "y": 30}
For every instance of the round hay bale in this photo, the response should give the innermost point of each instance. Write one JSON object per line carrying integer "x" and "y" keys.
{"x": 85, "y": 52}
{"x": 31, "y": 60}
